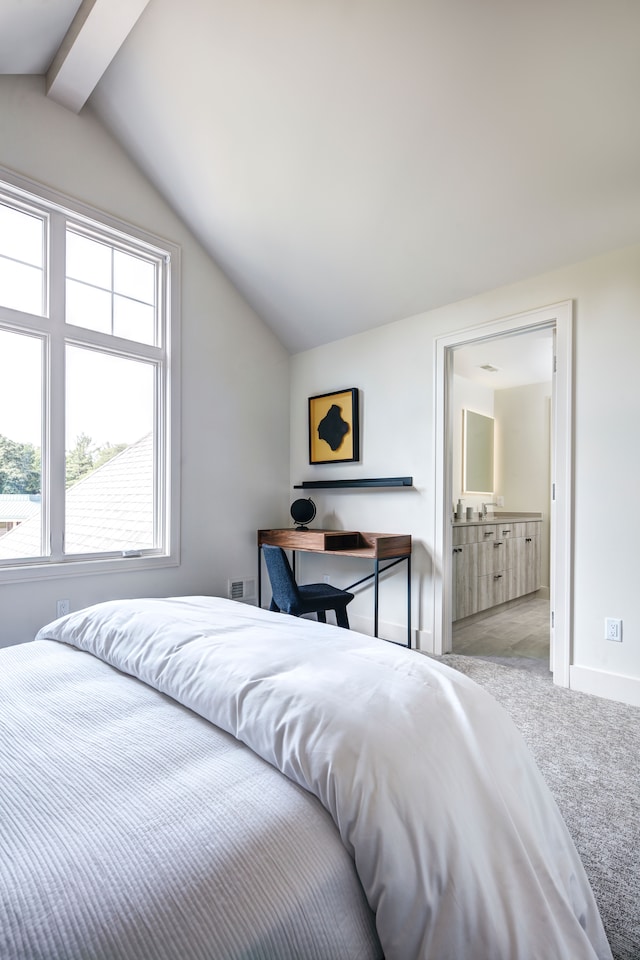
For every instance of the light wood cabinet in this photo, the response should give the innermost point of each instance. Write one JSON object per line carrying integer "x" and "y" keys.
{"x": 493, "y": 572}
{"x": 493, "y": 563}
{"x": 465, "y": 580}
{"x": 525, "y": 561}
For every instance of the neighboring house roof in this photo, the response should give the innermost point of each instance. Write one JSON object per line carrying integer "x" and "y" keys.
{"x": 16, "y": 507}
{"x": 111, "y": 508}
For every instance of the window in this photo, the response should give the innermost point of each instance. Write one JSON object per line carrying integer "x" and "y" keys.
{"x": 88, "y": 389}
{"x": 22, "y": 251}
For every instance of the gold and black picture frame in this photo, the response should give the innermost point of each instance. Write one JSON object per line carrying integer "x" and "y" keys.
{"x": 334, "y": 434}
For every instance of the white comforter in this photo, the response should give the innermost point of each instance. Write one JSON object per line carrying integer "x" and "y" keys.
{"x": 132, "y": 829}
{"x": 458, "y": 843}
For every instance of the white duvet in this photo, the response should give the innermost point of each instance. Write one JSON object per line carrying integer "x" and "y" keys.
{"x": 133, "y": 829}
{"x": 459, "y": 846}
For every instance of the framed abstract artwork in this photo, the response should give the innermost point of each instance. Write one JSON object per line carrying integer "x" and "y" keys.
{"x": 334, "y": 435}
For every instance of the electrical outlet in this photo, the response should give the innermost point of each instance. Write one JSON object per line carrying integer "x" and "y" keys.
{"x": 613, "y": 629}
{"x": 62, "y": 608}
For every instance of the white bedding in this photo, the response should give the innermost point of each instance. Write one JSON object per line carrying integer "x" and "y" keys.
{"x": 458, "y": 843}
{"x": 132, "y": 829}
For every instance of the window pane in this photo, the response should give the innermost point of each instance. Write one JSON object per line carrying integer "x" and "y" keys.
{"x": 109, "y": 453}
{"x": 88, "y": 307}
{"x": 20, "y": 286}
{"x": 134, "y": 277}
{"x": 21, "y": 236}
{"x": 134, "y": 320}
{"x": 88, "y": 260}
{"x": 20, "y": 446}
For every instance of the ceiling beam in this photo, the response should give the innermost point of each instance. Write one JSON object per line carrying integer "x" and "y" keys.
{"x": 97, "y": 32}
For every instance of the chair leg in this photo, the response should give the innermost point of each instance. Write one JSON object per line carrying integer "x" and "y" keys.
{"x": 322, "y": 617}
{"x": 341, "y": 617}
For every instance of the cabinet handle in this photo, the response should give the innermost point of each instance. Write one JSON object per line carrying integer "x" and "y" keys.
{"x": 498, "y": 576}
{"x": 505, "y": 533}
{"x": 498, "y": 543}
{"x": 489, "y": 533}
{"x": 527, "y": 539}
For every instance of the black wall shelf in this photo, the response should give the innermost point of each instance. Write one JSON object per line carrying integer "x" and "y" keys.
{"x": 346, "y": 484}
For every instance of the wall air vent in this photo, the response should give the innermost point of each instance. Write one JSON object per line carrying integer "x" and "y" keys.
{"x": 242, "y": 589}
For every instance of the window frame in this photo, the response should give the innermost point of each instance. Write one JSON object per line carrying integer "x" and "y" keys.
{"x": 61, "y": 211}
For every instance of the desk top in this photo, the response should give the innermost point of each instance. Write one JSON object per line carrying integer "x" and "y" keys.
{"x": 347, "y": 543}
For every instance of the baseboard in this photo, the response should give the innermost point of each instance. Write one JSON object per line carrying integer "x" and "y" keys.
{"x": 611, "y": 686}
{"x": 424, "y": 641}
{"x": 395, "y": 632}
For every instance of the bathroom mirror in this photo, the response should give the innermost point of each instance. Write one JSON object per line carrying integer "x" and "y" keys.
{"x": 477, "y": 452}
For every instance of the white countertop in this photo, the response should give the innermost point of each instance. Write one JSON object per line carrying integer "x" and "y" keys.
{"x": 498, "y": 518}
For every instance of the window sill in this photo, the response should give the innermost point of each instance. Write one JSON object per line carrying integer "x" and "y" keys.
{"x": 84, "y": 568}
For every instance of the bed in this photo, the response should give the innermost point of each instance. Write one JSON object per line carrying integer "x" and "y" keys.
{"x": 191, "y": 778}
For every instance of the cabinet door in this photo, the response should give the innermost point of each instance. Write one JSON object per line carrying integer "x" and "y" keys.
{"x": 524, "y": 564}
{"x": 491, "y": 590}
{"x": 532, "y": 572}
{"x": 491, "y": 557}
{"x": 464, "y": 571}
{"x": 516, "y": 564}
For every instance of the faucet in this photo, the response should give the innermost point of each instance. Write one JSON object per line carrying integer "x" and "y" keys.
{"x": 484, "y": 508}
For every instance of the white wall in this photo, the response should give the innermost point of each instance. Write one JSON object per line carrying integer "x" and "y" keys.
{"x": 523, "y": 454}
{"x": 235, "y": 374}
{"x": 394, "y": 368}
{"x": 235, "y": 414}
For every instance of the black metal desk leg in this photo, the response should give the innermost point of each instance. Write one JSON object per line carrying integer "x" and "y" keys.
{"x": 409, "y": 602}
{"x": 375, "y": 596}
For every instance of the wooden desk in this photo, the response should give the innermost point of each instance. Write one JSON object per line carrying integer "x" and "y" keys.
{"x": 393, "y": 548}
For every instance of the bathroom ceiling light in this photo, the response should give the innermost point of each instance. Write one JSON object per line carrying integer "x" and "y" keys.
{"x": 489, "y": 367}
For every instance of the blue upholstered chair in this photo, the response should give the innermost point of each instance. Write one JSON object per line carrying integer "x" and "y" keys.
{"x": 316, "y": 598}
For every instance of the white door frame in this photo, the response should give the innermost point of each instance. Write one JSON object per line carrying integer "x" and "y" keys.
{"x": 558, "y": 316}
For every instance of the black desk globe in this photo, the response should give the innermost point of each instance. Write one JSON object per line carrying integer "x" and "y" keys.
{"x": 303, "y": 512}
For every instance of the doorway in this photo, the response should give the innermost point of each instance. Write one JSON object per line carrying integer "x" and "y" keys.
{"x": 501, "y": 449}
{"x": 557, "y": 320}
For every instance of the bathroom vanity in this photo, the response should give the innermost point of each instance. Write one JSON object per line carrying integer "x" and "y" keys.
{"x": 494, "y": 560}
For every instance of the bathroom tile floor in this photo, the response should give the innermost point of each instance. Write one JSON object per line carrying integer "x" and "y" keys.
{"x": 519, "y": 631}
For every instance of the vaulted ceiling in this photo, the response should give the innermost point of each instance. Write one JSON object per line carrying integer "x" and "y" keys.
{"x": 352, "y": 162}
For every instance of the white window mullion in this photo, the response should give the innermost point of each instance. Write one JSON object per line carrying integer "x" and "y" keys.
{"x": 113, "y": 306}
{"x": 46, "y": 262}
{"x": 160, "y": 456}
{"x": 55, "y": 391}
